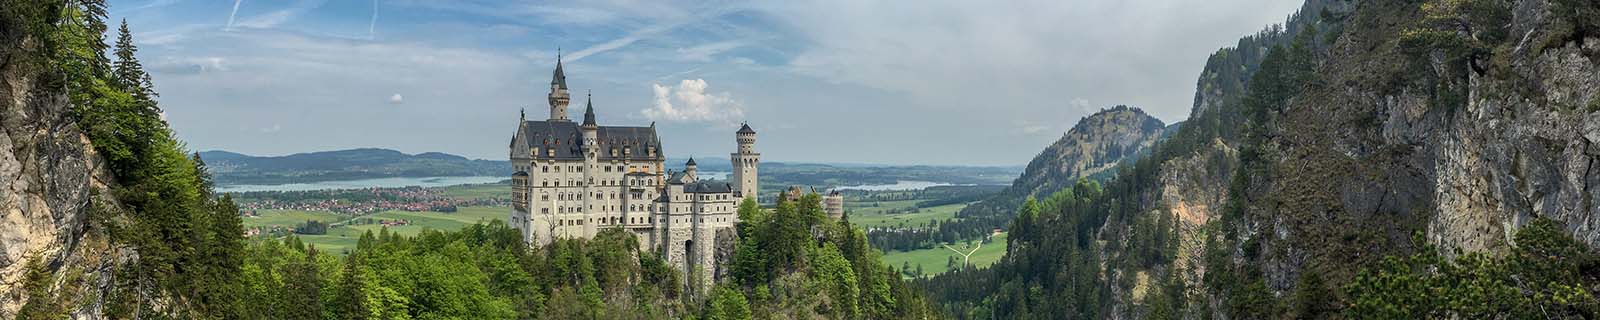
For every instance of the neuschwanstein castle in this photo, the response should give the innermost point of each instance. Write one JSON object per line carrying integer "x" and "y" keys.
{"x": 574, "y": 179}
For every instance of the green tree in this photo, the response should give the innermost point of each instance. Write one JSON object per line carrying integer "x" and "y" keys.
{"x": 728, "y": 304}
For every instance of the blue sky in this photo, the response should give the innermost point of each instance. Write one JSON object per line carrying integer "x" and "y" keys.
{"x": 857, "y": 81}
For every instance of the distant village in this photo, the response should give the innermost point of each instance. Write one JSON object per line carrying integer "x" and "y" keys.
{"x": 360, "y": 201}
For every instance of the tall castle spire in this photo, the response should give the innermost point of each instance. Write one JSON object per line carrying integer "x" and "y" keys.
{"x": 559, "y": 78}
{"x": 558, "y": 92}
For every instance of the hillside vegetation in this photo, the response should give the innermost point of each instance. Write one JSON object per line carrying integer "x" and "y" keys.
{"x": 1367, "y": 159}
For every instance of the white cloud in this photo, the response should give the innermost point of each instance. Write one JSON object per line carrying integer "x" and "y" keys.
{"x": 1082, "y": 105}
{"x": 691, "y": 103}
{"x": 396, "y": 99}
{"x": 191, "y": 65}
{"x": 273, "y": 129}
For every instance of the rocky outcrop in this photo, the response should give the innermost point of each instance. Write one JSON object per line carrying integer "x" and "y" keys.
{"x": 1379, "y": 147}
{"x": 1091, "y": 149}
{"x": 1511, "y": 154}
{"x": 50, "y": 182}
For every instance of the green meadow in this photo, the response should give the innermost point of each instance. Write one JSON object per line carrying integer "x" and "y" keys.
{"x": 877, "y": 216}
{"x": 479, "y": 191}
{"x": 935, "y": 261}
{"x": 289, "y": 218}
{"x": 345, "y": 235}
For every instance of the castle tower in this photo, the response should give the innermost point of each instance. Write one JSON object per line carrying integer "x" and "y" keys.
{"x": 745, "y": 164}
{"x": 689, "y": 170}
{"x": 591, "y": 166}
{"x": 558, "y": 93}
{"x": 833, "y": 204}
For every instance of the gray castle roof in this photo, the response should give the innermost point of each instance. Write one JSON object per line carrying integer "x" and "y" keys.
{"x": 559, "y": 78}
{"x": 631, "y": 143}
{"x": 708, "y": 186}
{"x": 745, "y": 128}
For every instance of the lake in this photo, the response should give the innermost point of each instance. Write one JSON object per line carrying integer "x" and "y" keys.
{"x": 898, "y": 186}
{"x": 363, "y": 184}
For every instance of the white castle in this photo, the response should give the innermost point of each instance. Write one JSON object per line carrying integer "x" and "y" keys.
{"x": 573, "y": 180}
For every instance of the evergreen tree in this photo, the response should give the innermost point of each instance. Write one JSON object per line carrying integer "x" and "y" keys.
{"x": 728, "y": 304}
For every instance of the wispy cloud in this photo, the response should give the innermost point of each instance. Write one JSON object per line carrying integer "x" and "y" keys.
{"x": 658, "y": 27}
{"x": 372, "y": 27}
{"x": 232, "y": 14}
{"x": 274, "y": 18}
{"x": 156, "y": 4}
{"x": 704, "y": 52}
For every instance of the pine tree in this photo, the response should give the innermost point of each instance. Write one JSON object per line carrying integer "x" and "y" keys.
{"x": 128, "y": 73}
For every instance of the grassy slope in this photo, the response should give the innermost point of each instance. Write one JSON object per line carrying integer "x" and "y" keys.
{"x": 289, "y": 218}
{"x": 479, "y": 191}
{"x": 342, "y": 237}
{"x": 933, "y": 260}
{"x": 874, "y": 216}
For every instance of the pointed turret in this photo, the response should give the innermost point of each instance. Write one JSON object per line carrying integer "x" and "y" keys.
{"x": 559, "y": 78}
{"x": 588, "y": 113}
{"x": 689, "y": 169}
{"x": 558, "y": 92}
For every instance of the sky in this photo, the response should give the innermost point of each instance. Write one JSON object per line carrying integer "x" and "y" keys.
{"x": 940, "y": 82}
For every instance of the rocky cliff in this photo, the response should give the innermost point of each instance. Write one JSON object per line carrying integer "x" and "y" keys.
{"x": 1395, "y": 134}
{"x": 51, "y": 180}
{"x": 1322, "y": 146}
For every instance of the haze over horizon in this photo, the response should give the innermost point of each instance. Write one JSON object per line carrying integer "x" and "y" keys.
{"x": 829, "y": 81}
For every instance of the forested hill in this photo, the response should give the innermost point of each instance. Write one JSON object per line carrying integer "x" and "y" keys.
{"x": 1091, "y": 149}
{"x": 1367, "y": 159}
{"x": 234, "y": 168}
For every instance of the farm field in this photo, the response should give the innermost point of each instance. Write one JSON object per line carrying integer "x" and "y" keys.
{"x": 934, "y": 261}
{"x": 343, "y": 237}
{"x": 479, "y": 191}
{"x": 876, "y": 216}
{"x": 289, "y": 218}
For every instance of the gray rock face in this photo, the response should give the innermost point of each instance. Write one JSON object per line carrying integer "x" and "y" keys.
{"x": 48, "y": 177}
{"x": 1358, "y": 165}
{"x": 1509, "y": 157}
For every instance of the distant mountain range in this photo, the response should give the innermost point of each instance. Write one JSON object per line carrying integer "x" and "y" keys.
{"x": 230, "y": 168}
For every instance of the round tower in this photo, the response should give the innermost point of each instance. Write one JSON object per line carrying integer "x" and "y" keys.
{"x": 745, "y": 163}
{"x": 558, "y": 93}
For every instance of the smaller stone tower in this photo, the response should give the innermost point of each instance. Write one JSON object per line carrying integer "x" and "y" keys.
{"x": 833, "y": 204}
{"x": 558, "y": 93}
{"x": 690, "y": 170}
{"x": 591, "y": 161}
{"x": 745, "y": 164}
